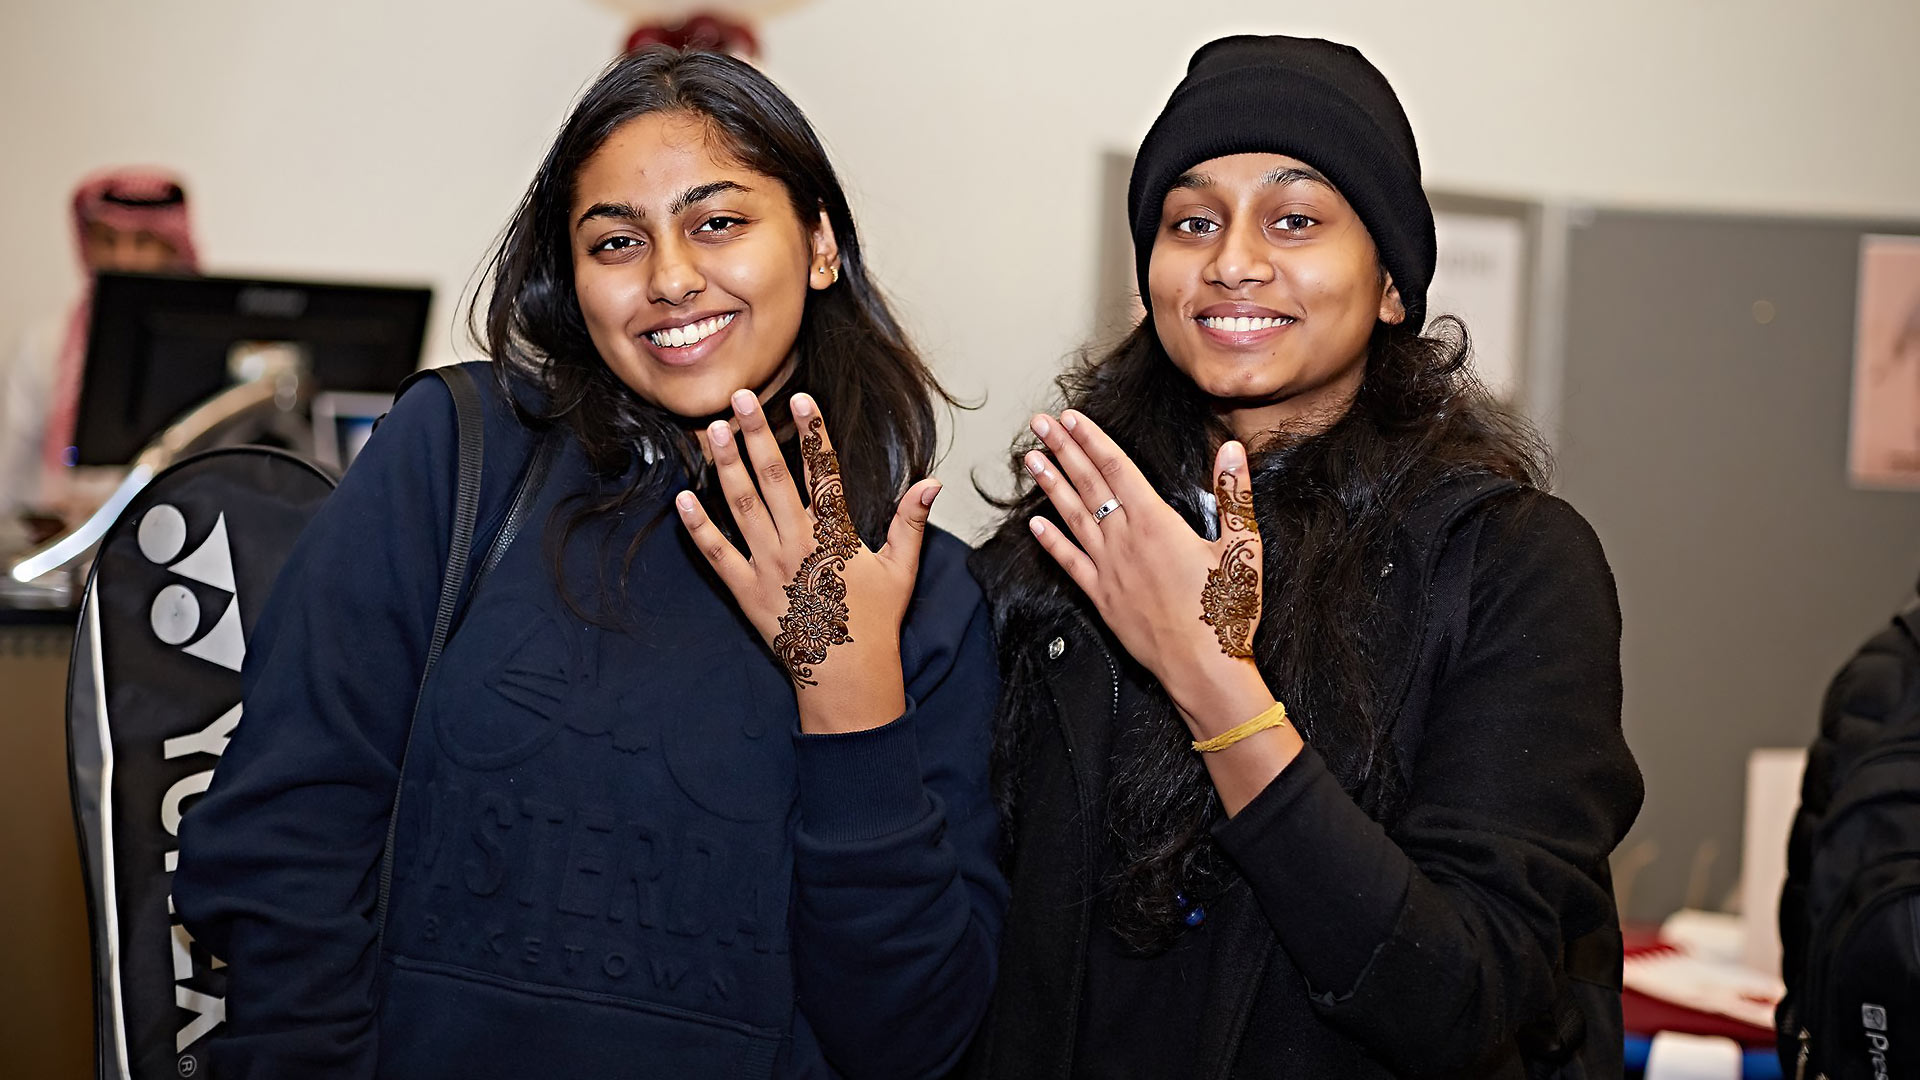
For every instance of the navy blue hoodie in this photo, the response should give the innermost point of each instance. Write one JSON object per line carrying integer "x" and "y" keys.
{"x": 617, "y": 855}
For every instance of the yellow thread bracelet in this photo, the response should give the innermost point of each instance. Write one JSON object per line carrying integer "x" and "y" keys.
{"x": 1272, "y": 718}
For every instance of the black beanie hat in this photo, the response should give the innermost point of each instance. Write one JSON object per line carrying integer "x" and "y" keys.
{"x": 1314, "y": 100}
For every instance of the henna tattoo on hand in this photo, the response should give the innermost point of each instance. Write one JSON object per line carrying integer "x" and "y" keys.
{"x": 1236, "y": 505}
{"x": 832, "y": 524}
{"x": 1230, "y": 600}
{"x": 816, "y": 618}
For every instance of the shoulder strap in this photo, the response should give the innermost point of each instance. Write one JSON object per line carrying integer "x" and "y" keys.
{"x": 1443, "y": 569}
{"x": 466, "y": 504}
{"x": 1447, "y": 534}
{"x": 468, "y": 409}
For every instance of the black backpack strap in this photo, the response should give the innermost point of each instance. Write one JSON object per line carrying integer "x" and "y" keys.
{"x": 469, "y": 409}
{"x": 1443, "y": 533}
{"x": 1443, "y": 558}
{"x": 466, "y": 504}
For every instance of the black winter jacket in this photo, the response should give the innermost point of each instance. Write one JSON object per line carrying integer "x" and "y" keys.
{"x": 1478, "y": 937}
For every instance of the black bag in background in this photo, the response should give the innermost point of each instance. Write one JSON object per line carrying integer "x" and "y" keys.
{"x": 1850, "y": 909}
{"x": 153, "y": 694}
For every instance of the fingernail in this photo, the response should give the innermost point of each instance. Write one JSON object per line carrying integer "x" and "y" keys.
{"x": 1068, "y": 420}
{"x": 1037, "y": 525}
{"x": 743, "y": 402}
{"x": 927, "y": 496}
{"x": 1035, "y": 463}
{"x": 718, "y": 433}
{"x": 802, "y": 405}
{"x": 1041, "y": 427}
{"x": 684, "y": 501}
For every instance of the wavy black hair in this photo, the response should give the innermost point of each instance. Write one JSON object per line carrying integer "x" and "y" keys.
{"x": 854, "y": 358}
{"x": 1328, "y": 503}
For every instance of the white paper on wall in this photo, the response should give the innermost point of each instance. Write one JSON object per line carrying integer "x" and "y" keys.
{"x": 1481, "y": 278}
{"x": 1773, "y": 794}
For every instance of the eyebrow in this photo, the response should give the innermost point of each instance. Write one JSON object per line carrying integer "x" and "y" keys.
{"x": 608, "y": 210}
{"x": 1286, "y": 174}
{"x": 701, "y": 193}
{"x": 696, "y": 194}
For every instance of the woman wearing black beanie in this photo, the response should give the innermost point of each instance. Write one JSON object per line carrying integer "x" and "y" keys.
{"x": 1309, "y": 753}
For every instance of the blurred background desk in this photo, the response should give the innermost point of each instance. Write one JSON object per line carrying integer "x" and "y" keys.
{"x": 46, "y": 1016}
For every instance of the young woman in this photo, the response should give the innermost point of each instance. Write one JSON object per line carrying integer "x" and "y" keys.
{"x": 672, "y": 807}
{"x": 1310, "y": 753}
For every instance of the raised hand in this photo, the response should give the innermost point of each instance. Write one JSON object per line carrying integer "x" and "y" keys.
{"x": 1184, "y": 606}
{"x": 828, "y": 607}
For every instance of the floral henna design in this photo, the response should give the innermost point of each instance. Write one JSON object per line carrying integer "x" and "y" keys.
{"x": 816, "y": 618}
{"x": 1230, "y": 601}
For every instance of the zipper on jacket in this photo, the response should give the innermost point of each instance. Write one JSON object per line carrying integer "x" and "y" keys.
{"x": 1113, "y": 669}
{"x": 1086, "y": 799}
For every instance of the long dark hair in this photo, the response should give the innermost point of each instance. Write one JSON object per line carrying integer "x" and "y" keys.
{"x": 1328, "y": 502}
{"x": 878, "y": 395}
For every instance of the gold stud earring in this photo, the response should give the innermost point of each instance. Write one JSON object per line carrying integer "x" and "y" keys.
{"x": 835, "y": 271}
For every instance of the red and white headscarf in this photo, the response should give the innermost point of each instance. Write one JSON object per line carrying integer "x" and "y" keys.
{"x": 129, "y": 199}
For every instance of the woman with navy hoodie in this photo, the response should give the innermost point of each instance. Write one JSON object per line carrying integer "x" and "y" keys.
{"x": 694, "y": 797}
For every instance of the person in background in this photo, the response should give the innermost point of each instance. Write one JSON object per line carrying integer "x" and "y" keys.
{"x": 126, "y": 220}
{"x": 1310, "y": 753}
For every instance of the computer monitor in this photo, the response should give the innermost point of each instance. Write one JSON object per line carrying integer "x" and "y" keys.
{"x": 342, "y": 423}
{"x": 160, "y": 345}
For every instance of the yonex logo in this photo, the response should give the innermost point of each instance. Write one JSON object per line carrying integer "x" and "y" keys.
{"x": 175, "y": 615}
{"x": 175, "y": 619}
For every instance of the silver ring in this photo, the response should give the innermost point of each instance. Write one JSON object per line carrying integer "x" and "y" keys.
{"x": 1106, "y": 508}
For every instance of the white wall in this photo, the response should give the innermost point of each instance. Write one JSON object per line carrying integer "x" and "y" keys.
{"x": 348, "y": 139}
{"x": 389, "y": 138}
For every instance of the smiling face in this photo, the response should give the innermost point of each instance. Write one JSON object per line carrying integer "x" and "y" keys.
{"x": 691, "y": 270}
{"x": 1265, "y": 289}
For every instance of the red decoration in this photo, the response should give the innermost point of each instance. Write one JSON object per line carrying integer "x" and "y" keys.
{"x": 703, "y": 32}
